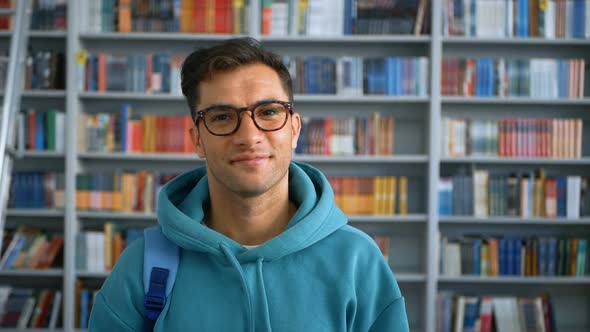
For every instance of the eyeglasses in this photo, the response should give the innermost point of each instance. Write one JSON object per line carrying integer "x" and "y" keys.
{"x": 223, "y": 120}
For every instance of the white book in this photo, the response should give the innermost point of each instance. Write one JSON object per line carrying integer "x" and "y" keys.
{"x": 60, "y": 132}
{"x": 55, "y": 310}
{"x": 4, "y": 294}
{"x": 452, "y": 259}
{"x": 480, "y": 192}
{"x": 460, "y": 314}
{"x": 574, "y": 184}
{"x": 501, "y": 13}
{"x": 467, "y": 17}
{"x": 550, "y": 20}
{"x": 319, "y": 12}
{"x": 509, "y": 23}
{"x": 26, "y": 313}
{"x": 280, "y": 18}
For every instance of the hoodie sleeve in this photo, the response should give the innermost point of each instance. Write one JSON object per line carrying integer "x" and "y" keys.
{"x": 393, "y": 318}
{"x": 380, "y": 305}
{"x": 119, "y": 303}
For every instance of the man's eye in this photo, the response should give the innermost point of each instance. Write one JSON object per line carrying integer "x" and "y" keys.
{"x": 221, "y": 117}
{"x": 268, "y": 112}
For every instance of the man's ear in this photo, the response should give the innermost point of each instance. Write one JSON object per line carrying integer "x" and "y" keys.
{"x": 197, "y": 141}
{"x": 295, "y": 129}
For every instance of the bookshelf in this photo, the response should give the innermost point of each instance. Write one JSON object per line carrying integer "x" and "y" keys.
{"x": 417, "y": 145}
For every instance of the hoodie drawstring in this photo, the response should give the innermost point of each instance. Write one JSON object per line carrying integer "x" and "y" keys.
{"x": 233, "y": 260}
{"x": 263, "y": 295}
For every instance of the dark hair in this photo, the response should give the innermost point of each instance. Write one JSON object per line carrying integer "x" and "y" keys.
{"x": 229, "y": 55}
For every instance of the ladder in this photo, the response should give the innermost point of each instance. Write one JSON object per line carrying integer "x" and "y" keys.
{"x": 12, "y": 97}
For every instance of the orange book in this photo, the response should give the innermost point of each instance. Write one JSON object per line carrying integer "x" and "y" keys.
{"x": 383, "y": 244}
{"x": 187, "y": 143}
{"x": 403, "y": 195}
{"x": 117, "y": 192}
{"x": 186, "y": 12}
{"x": 392, "y": 194}
{"x": 266, "y": 17}
{"x": 573, "y": 257}
{"x": 390, "y": 135}
{"x": 124, "y": 11}
{"x": 370, "y": 188}
{"x": 35, "y": 261}
{"x": 346, "y": 194}
{"x": 493, "y": 251}
{"x": 118, "y": 247}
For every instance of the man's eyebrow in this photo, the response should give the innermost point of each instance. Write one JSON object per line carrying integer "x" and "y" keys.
{"x": 234, "y": 106}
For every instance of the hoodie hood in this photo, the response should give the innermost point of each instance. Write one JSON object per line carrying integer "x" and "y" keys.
{"x": 180, "y": 211}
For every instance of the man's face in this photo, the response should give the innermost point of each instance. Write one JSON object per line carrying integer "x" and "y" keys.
{"x": 248, "y": 162}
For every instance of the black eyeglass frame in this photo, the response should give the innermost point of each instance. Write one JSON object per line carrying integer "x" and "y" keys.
{"x": 201, "y": 114}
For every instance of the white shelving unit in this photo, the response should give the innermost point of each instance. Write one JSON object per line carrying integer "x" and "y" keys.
{"x": 415, "y": 262}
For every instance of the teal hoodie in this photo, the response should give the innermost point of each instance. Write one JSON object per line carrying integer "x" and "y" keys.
{"x": 320, "y": 274}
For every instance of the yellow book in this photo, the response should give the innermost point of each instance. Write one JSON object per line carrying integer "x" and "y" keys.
{"x": 403, "y": 195}
{"x": 392, "y": 194}
{"x": 237, "y": 9}
{"x": 108, "y": 246}
{"x": 375, "y": 195}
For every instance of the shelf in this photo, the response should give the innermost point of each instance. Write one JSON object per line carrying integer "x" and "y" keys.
{"x": 57, "y": 34}
{"x": 514, "y": 100}
{"x": 155, "y": 36}
{"x": 360, "y": 99}
{"x": 526, "y": 161}
{"x": 347, "y": 39}
{"x": 409, "y": 277}
{"x": 32, "y": 273}
{"x": 395, "y": 159}
{"x": 512, "y": 221}
{"x": 298, "y": 98}
{"x": 130, "y": 96}
{"x": 395, "y": 219}
{"x": 7, "y": 329}
{"x": 515, "y": 41}
{"x": 41, "y": 94}
{"x": 410, "y": 218}
{"x": 42, "y": 154}
{"x": 116, "y": 215}
{"x": 35, "y": 213}
{"x": 141, "y": 156}
{"x": 517, "y": 280}
{"x": 92, "y": 275}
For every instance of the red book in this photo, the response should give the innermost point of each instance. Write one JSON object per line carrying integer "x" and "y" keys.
{"x": 53, "y": 249}
{"x": 102, "y": 72}
{"x": 551, "y": 198}
{"x": 31, "y": 123}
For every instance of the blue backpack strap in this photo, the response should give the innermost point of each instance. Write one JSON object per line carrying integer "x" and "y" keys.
{"x": 160, "y": 263}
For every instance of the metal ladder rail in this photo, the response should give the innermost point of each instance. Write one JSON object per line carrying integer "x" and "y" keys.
{"x": 12, "y": 98}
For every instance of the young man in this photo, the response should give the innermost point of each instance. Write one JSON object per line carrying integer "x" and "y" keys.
{"x": 263, "y": 246}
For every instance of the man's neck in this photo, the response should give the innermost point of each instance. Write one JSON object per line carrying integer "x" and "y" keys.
{"x": 252, "y": 220}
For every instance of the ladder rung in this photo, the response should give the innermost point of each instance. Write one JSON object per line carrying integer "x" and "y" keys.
{"x": 7, "y": 11}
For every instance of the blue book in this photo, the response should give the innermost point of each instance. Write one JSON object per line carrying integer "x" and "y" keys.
{"x": 399, "y": 63}
{"x": 579, "y": 23}
{"x": 125, "y": 114}
{"x": 348, "y": 19}
{"x": 561, "y": 196}
{"x": 510, "y": 259}
{"x": 40, "y": 131}
{"x": 471, "y": 314}
{"x": 502, "y": 257}
{"x": 15, "y": 252}
{"x": 477, "y": 257}
{"x": 84, "y": 306}
{"x": 551, "y": 256}
{"x": 517, "y": 256}
{"x": 542, "y": 259}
